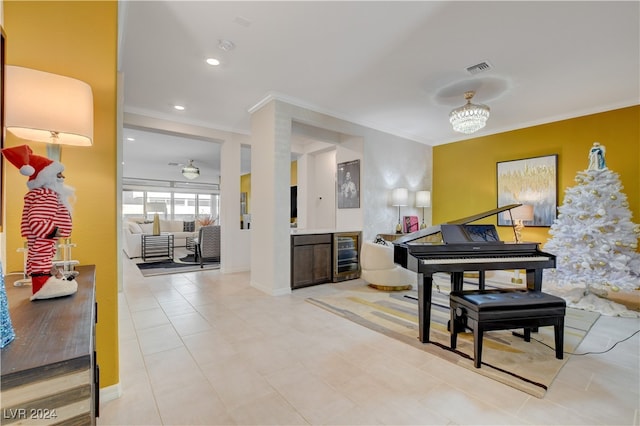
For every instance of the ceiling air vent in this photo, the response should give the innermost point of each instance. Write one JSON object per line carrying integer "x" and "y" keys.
{"x": 478, "y": 68}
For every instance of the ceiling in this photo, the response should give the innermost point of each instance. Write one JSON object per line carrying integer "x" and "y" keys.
{"x": 399, "y": 67}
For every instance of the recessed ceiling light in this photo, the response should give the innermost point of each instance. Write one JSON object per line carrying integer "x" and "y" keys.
{"x": 213, "y": 61}
{"x": 179, "y": 107}
{"x": 131, "y": 139}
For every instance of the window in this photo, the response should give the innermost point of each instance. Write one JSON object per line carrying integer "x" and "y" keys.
{"x": 169, "y": 205}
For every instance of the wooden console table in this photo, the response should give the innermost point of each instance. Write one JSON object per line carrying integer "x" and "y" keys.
{"x": 49, "y": 371}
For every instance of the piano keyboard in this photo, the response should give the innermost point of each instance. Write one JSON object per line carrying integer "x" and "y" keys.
{"x": 472, "y": 259}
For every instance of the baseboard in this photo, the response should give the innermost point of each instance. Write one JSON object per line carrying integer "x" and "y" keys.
{"x": 110, "y": 393}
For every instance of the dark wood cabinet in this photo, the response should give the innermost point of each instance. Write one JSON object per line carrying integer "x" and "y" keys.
{"x": 49, "y": 371}
{"x": 311, "y": 259}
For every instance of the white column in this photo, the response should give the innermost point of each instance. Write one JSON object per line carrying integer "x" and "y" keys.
{"x": 270, "y": 199}
{"x": 234, "y": 254}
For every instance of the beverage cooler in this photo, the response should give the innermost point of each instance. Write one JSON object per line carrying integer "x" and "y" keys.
{"x": 346, "y": 255}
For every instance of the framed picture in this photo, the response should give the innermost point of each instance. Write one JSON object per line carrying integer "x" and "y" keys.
{"x": 532, "y": 182}
{"x": 410, "y": 224}
{"x": 349, "y": 185}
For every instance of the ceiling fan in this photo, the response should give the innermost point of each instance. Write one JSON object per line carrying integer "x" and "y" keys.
{"x": 189, "y": 170}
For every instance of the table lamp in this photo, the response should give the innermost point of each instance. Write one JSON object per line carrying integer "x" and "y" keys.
{"x": 423, "y": 199}
{"x": 399, "y": 198}
{"x": 49, "y": 108}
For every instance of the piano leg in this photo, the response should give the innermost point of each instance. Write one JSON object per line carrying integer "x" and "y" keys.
{"x": 457, "y": 281}
{"x": 425, "y": 284}
{"x": 534, "y": 279}
{"x": 534, "y": 283}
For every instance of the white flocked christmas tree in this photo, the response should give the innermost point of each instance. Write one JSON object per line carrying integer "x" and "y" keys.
{"x": 593, "y": 238}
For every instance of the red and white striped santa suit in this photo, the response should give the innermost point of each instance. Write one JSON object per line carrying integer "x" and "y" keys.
{"x": 44, "y": 219}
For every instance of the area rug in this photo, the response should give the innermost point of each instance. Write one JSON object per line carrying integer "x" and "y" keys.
{"x": 175, "y": 266}
{"x": 528, "y": 366}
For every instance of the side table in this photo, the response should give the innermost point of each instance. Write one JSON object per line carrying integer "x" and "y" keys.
{"x": 157, "y": 246}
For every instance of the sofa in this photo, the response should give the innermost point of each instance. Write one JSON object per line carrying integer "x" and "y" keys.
{"x": 134, "y": 228}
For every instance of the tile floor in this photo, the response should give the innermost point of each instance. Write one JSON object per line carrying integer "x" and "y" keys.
{"x": 207, "y": 348}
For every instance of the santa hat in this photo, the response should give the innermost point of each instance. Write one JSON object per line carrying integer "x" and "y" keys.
{"x": 40, "y": 170}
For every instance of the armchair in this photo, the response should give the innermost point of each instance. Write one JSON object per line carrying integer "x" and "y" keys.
{"x": 379, "y": 270}
{"x": 208, "y": 245}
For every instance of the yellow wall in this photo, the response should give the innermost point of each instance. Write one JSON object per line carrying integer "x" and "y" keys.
{"x": 245, "y": 182}
{"x": 464, "y": 173}
{"x": 245, "y": 186}
{"x": 79, "y": 40}
{"x": 294, "y": 173}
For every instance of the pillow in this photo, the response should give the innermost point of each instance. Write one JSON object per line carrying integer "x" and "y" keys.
{"x": 189, "y": 226}
{"x": 380, "y": 240}
{"x": 134, "y": 228}
{"x": 147, "y": 228}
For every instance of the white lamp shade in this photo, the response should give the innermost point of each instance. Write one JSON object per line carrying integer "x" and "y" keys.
{"x": 423, "y": 199}
{"x": 50, "y": 108}
{"x": 523, "y": 212}
{"x": 400, "y": 197}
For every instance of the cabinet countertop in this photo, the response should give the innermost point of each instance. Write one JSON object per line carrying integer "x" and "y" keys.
{"x": 51, "y": 334}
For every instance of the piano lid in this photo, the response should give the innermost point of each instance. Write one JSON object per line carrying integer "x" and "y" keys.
{"x": 432, "y": 230}
{"x": 482, "y": 215}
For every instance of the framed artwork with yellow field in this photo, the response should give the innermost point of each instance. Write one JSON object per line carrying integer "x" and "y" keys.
{"x": 532, "y": 182}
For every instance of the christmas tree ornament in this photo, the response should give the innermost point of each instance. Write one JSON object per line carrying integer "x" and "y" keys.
{"x": 613, "y": 197}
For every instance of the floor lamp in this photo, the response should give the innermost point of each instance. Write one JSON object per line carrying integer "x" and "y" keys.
{"x": 423, "y": 199}
{"x": 399, "y": 198}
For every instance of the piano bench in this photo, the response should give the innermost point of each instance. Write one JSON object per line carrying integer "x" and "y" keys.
{"x": 505, "y": 309}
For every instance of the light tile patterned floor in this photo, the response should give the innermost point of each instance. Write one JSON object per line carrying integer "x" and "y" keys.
{"x": 206, "y": 348}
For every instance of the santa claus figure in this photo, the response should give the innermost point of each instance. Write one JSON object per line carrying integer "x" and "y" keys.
{"x": 46, "y": 216}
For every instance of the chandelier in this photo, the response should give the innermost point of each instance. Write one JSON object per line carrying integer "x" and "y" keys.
{"x": 469, "y": 118}
{"x": 190, "y": 171}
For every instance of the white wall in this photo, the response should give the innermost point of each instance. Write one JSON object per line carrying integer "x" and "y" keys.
{"x": 393, "y": 163}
